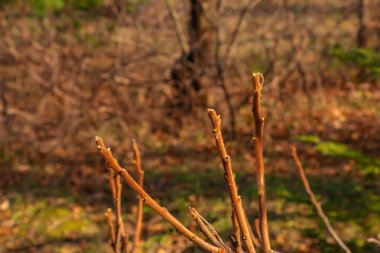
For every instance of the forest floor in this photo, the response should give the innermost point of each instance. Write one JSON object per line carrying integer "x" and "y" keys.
{"x": 53, "y": 209}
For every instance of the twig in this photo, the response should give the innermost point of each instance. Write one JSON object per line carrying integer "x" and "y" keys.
{"x": 258, "y": 146}
{"x": 230, "y": 180}
{"x": 119, "y": 221}
{"x": 257, "y": 228}
{"x": 211, "y": 235}
{"x": 140, "y": 174}
{"x": 108, "y": 215}
{"x": 237, "y": 233}
{"x": 178, "y": 27}
{"x": 112, "y": 163}
{"x": 374, "y": 240}
{"x": 314, "y": 201}
{"x": 236, "y": 30}
{"x": 254, "y": 239}
{"x": 220, "y": 73}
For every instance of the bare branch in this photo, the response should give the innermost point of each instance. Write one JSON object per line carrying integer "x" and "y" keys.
{"x": 112, "y": 163}
{"x": 254, "y": 239}
{"x": 257, "y": 228}
{"x": 211, "y": 235}
{"x": 230, "y": 180}
{"x": 236, "y": 30}
{"x": 237, "y": 233}
{"x": 108, "y": 215}
{"x": 315, "y": 203}
{"x": 258, "y": 147}
{"x": 374, "y": 240}
{"x": 178, "y": 27}
{"x": 140, "y": 174}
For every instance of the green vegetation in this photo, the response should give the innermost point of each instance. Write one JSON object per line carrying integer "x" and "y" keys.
{"x": 365, "y": 58}
{"x": 367, "y": 164}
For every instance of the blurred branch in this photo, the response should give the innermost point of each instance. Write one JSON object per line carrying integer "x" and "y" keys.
{"x": 108, "y": 215}
{"x": 236, "y": 30}
{"x": 181, "y": 37}
{"x": 314, "y": 201}
{"x": 374, "y": 240}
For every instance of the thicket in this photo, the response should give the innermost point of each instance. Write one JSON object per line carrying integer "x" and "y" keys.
{"x": 242, "y": 238}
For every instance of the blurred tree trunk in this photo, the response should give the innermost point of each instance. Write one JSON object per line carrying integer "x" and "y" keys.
{"x": 192, "y": 65}
{"x": 361, "y": 37}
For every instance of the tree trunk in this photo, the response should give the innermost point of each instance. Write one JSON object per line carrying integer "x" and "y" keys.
{"x": 189, "y": 69}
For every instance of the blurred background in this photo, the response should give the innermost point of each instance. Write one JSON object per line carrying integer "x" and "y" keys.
{"x": 145, "y": 69}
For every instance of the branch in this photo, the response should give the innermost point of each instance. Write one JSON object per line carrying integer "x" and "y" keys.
{"x": 108, "y": 215}
{"x": 315, "y": 202}
{"x": 236, "y": 30}
{"x": 211, "y": 233}
{"x": 118, "y": 236}
{"x": 237, "y": 233}
{"x": 120, "y": 233}
{"x": 140, "y": 173}
{"x": 112, "y": 163}
{"x": 230, "y": 180}
{"x": 374, "y": 240}
{"x": 178, "y": 27}
{"x": 257, "y": 228}
{"x": 258, "y": 147}
{"x": 254, "y": 239}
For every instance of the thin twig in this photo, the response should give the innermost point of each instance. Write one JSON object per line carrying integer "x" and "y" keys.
{"x": 211, "y": 235}
{"x": 230, "y": 180}
{"x": 257, "y": 228}
{"x": 119, "y": 221}
{"x": 140, "y": 175}
{"x": 112, "y": 163}
{"x": 237, "y": 233}
{"x": 254, "y": 239}
{"x": 258, "y": 147}
{"x": 315, "y": 203}
{"x": 236, "y": 30}
{"x": 181, "y": 37}
{"x": 108, "y": 215}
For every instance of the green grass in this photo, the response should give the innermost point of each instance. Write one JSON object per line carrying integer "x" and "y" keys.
{"x": 366, "y": 164}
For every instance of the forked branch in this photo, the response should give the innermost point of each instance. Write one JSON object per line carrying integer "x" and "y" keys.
{"x": 315, "y": 203}
{"x": 209, "y": 231}
{"x": 258, "y": 81}
{"x": 230, "y": 181}
{"x": 118, "y": 235}
{"x": 113, "y": 164}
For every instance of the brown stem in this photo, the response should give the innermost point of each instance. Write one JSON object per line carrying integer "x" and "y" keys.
{"x": 254, "y": 239}
{"x": 315, "y": 203}
{"x": 211, "y": 233}
{"x": 108, "y": 215}
{"x": 230, "y": 180}
{"x": 237, "y": 233}
{"x": 257, "y": 228}
{"x": 112, "y": 163}
{"x": 140, "y": 175}
{"x": 258, "y": 147}
{"x": 119, "y": 221}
